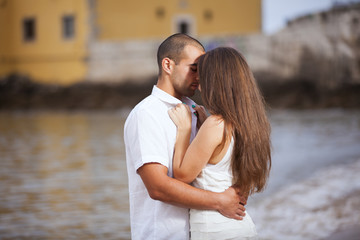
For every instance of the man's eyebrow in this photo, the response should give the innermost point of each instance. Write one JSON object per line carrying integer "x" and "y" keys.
{"x": 193, "y": 65}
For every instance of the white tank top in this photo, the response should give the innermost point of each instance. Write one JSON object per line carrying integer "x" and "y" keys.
{"x": 208, "y": 224}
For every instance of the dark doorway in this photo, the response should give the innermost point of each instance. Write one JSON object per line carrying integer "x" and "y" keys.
{"x": 184, "y": 28}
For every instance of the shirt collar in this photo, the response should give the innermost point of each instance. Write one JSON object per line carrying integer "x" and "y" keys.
{"x": 165, "y": 97}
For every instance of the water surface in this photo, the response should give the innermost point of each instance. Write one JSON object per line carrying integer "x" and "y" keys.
{"x": 63, "y": 175}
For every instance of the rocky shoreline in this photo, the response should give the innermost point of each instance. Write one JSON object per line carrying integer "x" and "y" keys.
{"x": 20, "y": 93}
{"x": 303, "y": 94}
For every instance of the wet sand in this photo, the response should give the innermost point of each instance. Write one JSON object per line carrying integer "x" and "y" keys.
{"x": 314, "y": 186}
{"x": 351, "y": 233}
{"x": 325, "y": 206}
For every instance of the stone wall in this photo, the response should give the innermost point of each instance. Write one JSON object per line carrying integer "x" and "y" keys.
{"x": 323, "y": 48}
{"x": 122, "y": 61}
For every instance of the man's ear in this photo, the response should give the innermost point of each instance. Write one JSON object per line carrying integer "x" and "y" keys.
{"x": 167, "y": 65}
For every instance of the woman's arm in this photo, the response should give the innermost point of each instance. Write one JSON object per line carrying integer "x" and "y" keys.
{"x": 181, "y": 116}
{"x": 188, "y": 162}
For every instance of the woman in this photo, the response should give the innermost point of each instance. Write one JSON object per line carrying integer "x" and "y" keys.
{"x": 231, "y": 148}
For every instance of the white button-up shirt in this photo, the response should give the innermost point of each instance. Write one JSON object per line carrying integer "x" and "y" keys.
{"x": 150, "y": 136}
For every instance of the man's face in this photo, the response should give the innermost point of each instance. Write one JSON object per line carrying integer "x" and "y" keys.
{"x": 185, "y": 77}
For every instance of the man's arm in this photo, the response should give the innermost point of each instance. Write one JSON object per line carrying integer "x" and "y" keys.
{"x": 166, "y": 189}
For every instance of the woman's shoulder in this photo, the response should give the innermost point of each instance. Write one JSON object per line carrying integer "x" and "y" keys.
{"x": 214, "y": 119}
{"x": 214, "y": 122}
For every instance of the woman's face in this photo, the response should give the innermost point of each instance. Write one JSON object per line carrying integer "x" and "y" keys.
{"x": 198, "y": 79}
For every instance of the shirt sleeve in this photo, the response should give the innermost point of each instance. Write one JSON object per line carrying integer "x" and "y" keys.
{"x": 145, "y": 140}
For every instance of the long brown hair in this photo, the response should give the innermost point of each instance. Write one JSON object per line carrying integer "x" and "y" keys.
{"x": 228, "y": 89}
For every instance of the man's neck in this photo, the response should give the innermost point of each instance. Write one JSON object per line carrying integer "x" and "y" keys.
{"x": 166, "y": 86}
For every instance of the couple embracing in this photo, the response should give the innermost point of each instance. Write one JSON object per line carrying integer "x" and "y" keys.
{"x": 179, "y": 158}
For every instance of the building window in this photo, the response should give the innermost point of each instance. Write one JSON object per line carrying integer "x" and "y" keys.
{"x": 183, "y": 27}
{"x": 208, "y": 15}
{"x": 29, "y": 29}
{"x": 68, "y": 26}
{"x": 183, "y": 4}
{"x": 160, "y": 12}
{"x": 184, "y": 24}
{"x": 3, "y": 3}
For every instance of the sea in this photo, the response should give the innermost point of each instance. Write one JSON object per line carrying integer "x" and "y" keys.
{"x": 63, "y": 175}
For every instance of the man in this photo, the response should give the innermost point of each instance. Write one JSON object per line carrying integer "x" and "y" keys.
{"x": 159, "y": 203}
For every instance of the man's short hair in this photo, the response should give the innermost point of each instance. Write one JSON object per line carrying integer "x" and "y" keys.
{"x": 173, "y": 46}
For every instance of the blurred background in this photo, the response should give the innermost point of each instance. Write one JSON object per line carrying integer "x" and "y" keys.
{"x": 71, "y": 70}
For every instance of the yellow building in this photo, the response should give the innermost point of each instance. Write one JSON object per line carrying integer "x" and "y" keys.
{"x": 44, "y": 39}
{"x": 67, "y": 41}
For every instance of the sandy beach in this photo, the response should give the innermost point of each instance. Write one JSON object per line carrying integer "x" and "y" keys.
{"x": 352, "y": 233}
{"x": 324, "y": 206}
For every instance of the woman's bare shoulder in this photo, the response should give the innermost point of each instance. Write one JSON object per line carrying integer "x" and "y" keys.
{"x": 213, "y": 125}
{"x": 214, "y": 121}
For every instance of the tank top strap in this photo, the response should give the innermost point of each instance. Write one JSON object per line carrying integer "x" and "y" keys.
{"x": 227, "y": 157}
